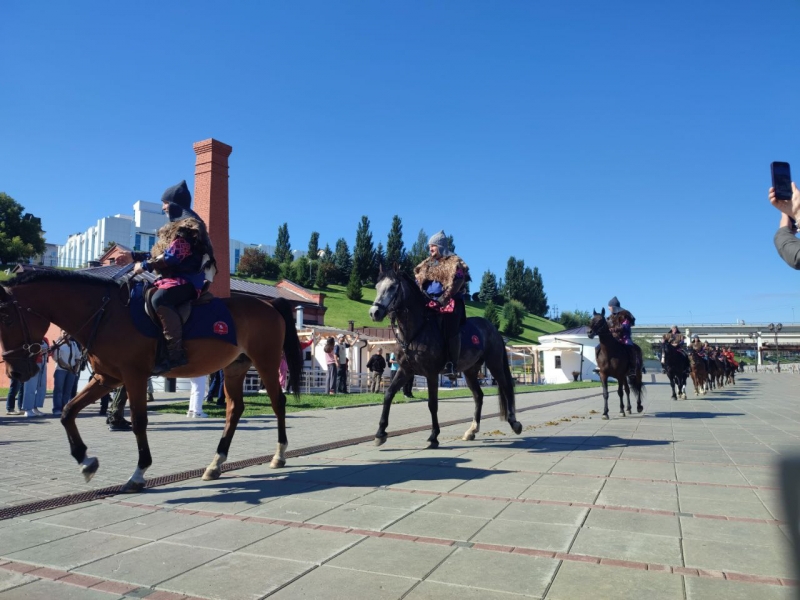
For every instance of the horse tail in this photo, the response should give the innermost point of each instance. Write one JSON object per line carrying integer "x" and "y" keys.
{"x": 635, "y": 381}
{"x": 291, "y": 344}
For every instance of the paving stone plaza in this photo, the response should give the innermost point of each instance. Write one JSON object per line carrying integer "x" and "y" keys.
{"x": 678, "y": 502}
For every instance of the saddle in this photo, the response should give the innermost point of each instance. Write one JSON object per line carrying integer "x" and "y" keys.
{"x": 184, "y": 310}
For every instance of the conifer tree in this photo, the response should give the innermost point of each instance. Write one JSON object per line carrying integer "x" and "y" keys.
{"x": 313, "y": 246}
{"x": 353, "y": 291}
{"x": 395, "y": 250}
{"x": 343, "y": 262}
{"x": 378, "y": 262}
{"x": 363, "y": 251}
{"x": 283, "y": 249}
{"x": 492, "y": 314}
{"x": 488, "y": 289}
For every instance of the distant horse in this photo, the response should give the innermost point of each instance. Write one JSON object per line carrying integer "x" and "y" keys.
{"x": 677, "y": 367}
{"x": 424, "y": 353}
{"x": 699, "y": 372}
{"x": 613, "y": 360}
{"x": 730, "y": 372}
{"x": 95, "y": 312}
{"x": 713, "y": 373}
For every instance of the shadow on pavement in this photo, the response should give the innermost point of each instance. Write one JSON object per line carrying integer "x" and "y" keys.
{"x": 693, "y": 415}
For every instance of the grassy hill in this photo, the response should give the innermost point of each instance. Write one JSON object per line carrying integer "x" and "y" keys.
{"x": 341, "y": 310}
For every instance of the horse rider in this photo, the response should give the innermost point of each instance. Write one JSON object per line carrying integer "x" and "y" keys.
{"x": 699, "y": 348}
{"x": 182, "y": 253}
{"x": 728, "y": 354}
{"x": 675, "y": 338}
{"x": 443, "y": 276}
{"x": 620, "y": 321}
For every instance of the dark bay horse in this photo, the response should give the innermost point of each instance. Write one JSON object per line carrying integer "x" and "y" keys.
{"x": 613, "y": 360}
{"x": 94, "y": 311}
{"x": 677, "y": 367}
{"x": 424, "y": 353}
{"x": 699, "y": 372}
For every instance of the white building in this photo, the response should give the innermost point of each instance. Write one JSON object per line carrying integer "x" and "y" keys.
{"x": 49, "y": 258}
{"x": 137, "y": 232}
{"x": 566, "y": 352}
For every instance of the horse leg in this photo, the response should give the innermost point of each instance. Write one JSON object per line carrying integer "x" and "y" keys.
{"x": 604, "y": 382}
{"x": 234, "y": 387}
{"x": 137, "y": 402}
{"x": 672, "y": 385}
{"x": 433, "y": 406}
{"x": 471, "y": 377}
{"x": 93, "y": 391}
{"x": 628, "y": 395}
{"x": 623, "y": 383}
{"x": 268, "y": 370}
{"x": 397, "y": 382}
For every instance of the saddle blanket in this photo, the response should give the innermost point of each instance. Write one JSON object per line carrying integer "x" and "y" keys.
{"x": 471, "y": 337}
{"x": 211, "y": 320}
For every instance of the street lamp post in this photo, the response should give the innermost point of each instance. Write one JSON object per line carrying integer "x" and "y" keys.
{"x": 775, "y": 329}
{"x": 754, "y": 337}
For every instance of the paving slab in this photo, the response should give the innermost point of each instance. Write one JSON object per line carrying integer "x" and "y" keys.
{"x": 306, "y": 545}
{"x": 715, "y": 589}
{"x": 10, "y": 579}
{"x": 740, "y": 557}
{"x": 70, "y": 552}
{"x": 381, "y": 556}
{"x": 224, "y": 534}
{"x": 49, "y": 590}
{"x": 345, "y": 584}
{"x": 628, "y": 545}
{"x": 578, "y": 580}
{"x": 429, "y": 590}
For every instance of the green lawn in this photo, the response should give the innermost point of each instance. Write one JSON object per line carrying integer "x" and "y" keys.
{"x": 258, "y": 404}
{"x": 341, "y": 310}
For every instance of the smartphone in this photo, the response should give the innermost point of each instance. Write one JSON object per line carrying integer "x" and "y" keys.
{"x": 781, "y": 180}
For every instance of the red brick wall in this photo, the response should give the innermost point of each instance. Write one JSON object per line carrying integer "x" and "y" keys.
{"x": 211, "y": 203}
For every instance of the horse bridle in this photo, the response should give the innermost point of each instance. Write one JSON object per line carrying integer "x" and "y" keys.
{"x": 391, "y": 310}
{"x": 28, "y": 346}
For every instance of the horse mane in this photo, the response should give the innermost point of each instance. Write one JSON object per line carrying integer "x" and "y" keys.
{"x": 403, "y": 276}
{"x": 58, "y": 276}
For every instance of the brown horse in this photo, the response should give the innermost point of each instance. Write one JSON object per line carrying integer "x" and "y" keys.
{"x": 613, "y": 360}
{"x": 94, "y": 311}
{"x": 699, "y": 372}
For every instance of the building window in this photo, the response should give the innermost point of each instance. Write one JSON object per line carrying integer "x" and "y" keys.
{"x": 137, "y": 244}
{"x": 152, "y": 241}
{"x": 236, "y": 255}
{"x": 558, "y": 362}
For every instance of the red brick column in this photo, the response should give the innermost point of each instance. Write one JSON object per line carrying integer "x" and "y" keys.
{"x": 211, "y": 203}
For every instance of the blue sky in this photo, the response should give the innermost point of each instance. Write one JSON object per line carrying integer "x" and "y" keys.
{"x": 623, "y": 148}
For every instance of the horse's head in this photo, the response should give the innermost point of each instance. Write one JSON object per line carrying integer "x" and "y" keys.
{"x": 21, "y": 336}
{"x": 598, "y": 323}
{"x": 388, "y": 290}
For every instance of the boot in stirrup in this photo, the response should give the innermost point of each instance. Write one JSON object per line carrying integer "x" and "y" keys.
{"x": 173, "y": 334}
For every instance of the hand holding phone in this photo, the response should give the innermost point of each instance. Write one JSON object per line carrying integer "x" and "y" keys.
{"x": 782, "y": 185}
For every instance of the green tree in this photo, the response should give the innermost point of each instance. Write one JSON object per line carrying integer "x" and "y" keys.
{"x": 343, "y": 262}
{"x": 646, "y": 346}
{"x": 419, "y": 250}
{"x": 395, "y": 250}
{"x": 283, "y": 249}
{"x": 492, "y": 314}
{"x": 513, "y": 287}
{"x": 354, "y": 291}
{"x": 301, "y": 273}
{"x": 313, "y": 246}
{"x": 21, "y": 235}
{"x": 379, "y": 261}
{"x": 513, "y": 313}
{"x": 327, "y": 257}
{"x": 252, "y": 263}
{"x": 575, "y": 318}
{"x": 488, "y": 289}
{"x": 451, "y": 244}
{"x": 363, "y": 251}
{"x": 539, "y": 304}
{"x": 325, "y": 273}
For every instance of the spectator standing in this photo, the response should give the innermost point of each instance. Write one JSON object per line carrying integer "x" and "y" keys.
{"x": 394, "y": 364}
{"x": 68, "y": 363}
{"x": 376, "y": 366}
{"x": 15, "y": 392}
{"x": 33, "y": 397}
{"x": 340, "y": 351}
{"x": 216, "y": 388}
{"x": 330, "y": 362}
{"x": 198, "y": 392}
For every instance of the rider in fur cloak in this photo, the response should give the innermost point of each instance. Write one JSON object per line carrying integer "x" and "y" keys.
{"x": 443, "y": 276}
{"x": 620, "y": 322}
{"x": 181, "y": 257}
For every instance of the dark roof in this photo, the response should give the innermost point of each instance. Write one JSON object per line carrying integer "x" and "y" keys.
{"x": 270, "y": 291}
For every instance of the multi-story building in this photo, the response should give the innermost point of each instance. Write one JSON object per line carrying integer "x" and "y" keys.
{"x": 49, "y": 258}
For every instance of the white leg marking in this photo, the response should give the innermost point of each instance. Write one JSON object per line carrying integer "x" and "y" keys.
{"x": 138, "y": 475}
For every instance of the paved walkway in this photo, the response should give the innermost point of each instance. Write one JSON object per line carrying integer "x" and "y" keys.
{"x": 679, "y": 502}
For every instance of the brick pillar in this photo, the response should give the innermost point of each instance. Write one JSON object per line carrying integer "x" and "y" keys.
{"x": 211, "y": 203}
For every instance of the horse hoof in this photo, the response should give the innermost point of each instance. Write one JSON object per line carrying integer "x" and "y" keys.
{"x": 639, "y": 408}
{"x": 628, "y": 410}
{"x": 604, "y": 417}
{"x": 380, "y": 440}
{"x": 622, "y": 413}
{"x": 212, "y": 474}
{"x": 277, "y": 463}
{"x": 468, "y": 437}
{"x": 132, "y": 487}
{"x": 433, "y": 444}
{"x": 517, "y": 427}
{"x": 89, "y": 468}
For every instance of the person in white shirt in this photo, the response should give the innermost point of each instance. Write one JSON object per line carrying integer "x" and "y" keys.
{"x": 68, "y": 362}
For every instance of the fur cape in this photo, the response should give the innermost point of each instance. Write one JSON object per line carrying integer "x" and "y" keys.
{"x": 191, "y": 230}
{"x": 444, "y": 271}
